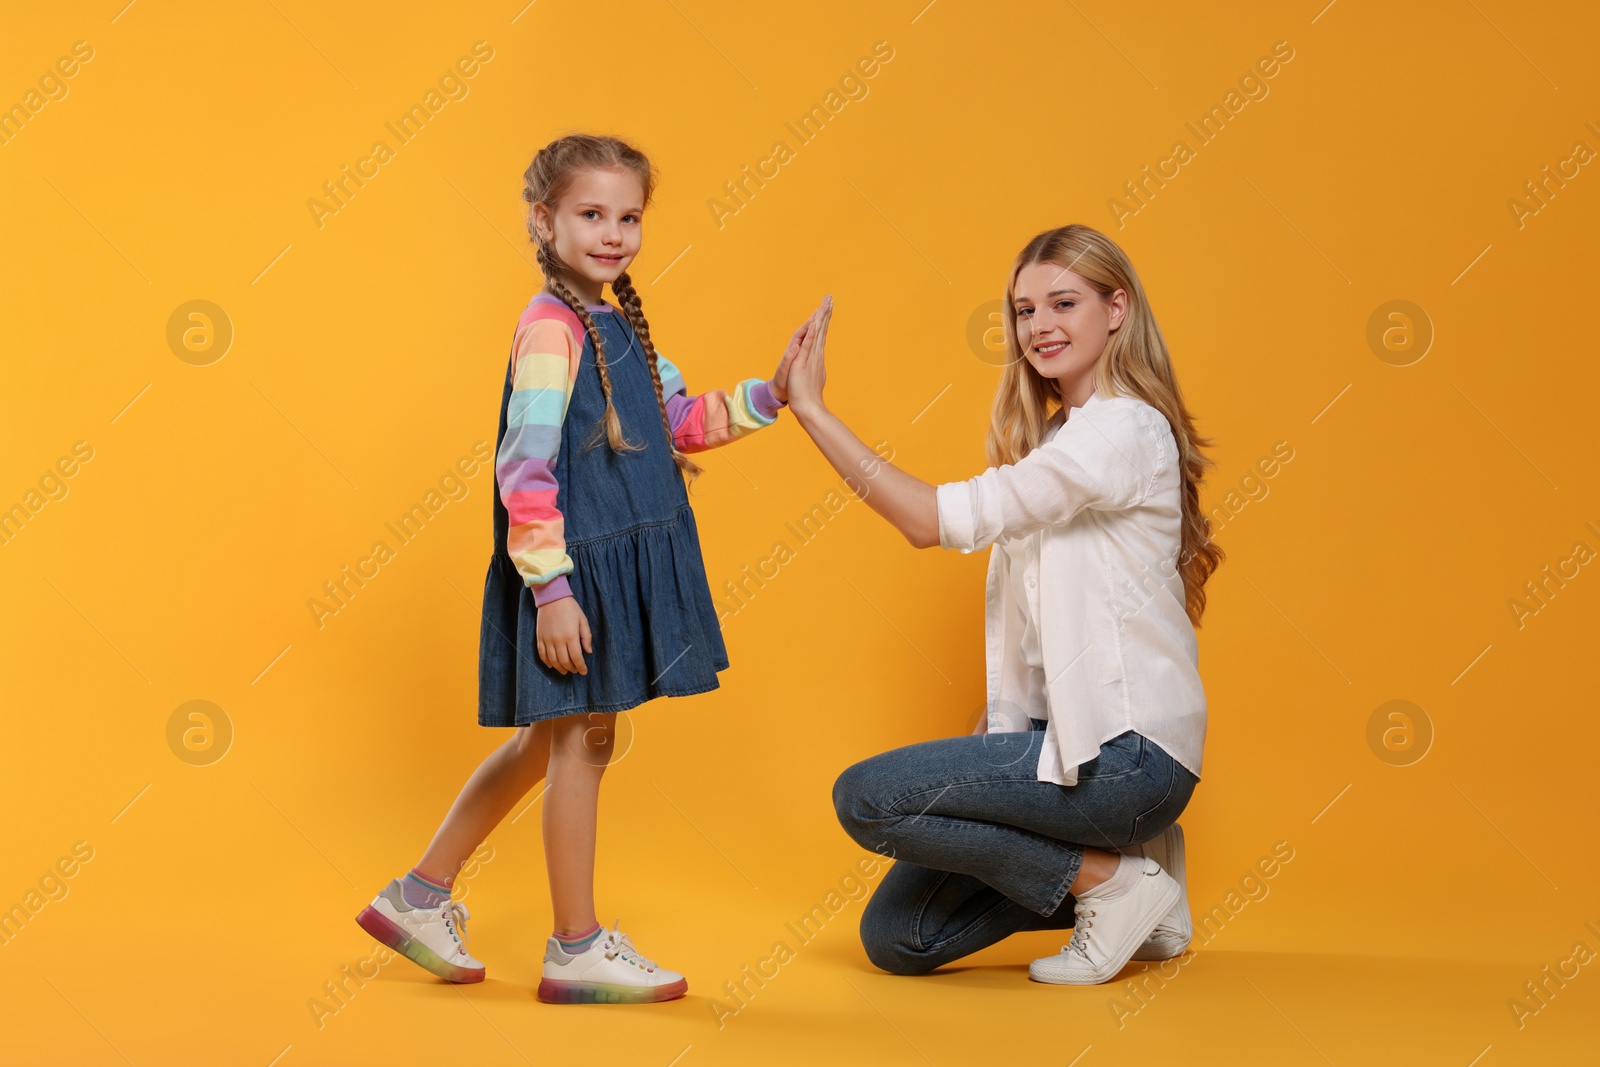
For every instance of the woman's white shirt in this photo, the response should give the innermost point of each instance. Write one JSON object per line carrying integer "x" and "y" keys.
{"x": 1084, "y": 606}
{"x": 1022, "y": 570}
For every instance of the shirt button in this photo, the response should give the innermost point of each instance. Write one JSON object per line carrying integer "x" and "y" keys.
{"x": 1031, "y": 583}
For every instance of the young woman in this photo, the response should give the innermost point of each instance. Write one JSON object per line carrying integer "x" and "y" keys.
{"x": 1096, "y": 714}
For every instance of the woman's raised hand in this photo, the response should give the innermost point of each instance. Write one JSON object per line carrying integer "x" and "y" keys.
{"x": 808, "y": 371}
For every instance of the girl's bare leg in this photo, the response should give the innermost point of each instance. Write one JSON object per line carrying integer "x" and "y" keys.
{"x": 500, "y": 781}
{"x": 580, "y": 749}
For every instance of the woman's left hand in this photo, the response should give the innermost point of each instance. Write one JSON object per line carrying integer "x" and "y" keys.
{"x": 809, "y": 371}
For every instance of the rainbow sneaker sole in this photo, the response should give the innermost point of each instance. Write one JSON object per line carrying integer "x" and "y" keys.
{"x": 556, "y": 991}
{"x": 379, "y": 926}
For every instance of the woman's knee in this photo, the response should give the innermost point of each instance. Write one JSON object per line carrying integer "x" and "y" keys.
{"x": 898, "y": 957}
{"x": 856, "y": 801}
{"x": 886, "y": 939}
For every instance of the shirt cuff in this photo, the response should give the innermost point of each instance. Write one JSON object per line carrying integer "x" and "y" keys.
{"x": 956, "y": 520}
{"x": 769, "y": 405}
{"x": 554, "y": 589}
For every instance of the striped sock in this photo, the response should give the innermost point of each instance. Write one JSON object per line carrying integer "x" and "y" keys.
{"x": 572, "y": 944}
{"x": 420, "y": 891}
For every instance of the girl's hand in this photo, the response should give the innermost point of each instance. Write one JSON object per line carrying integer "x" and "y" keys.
{"x": 809, "y": 372}
{"x": 562, "y": 635}
{"x": 780, "y": 380}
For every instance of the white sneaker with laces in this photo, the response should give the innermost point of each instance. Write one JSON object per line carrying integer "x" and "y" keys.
{"x": 1174, "y": 932}
{"x": 609, "y": 971}
{"x": 433, "y": 938}
{"x": 1107, "y": 932}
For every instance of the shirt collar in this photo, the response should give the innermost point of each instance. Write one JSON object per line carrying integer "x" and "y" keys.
{"x": 1094, "y": 398}
{"x": 1060, "y": 417}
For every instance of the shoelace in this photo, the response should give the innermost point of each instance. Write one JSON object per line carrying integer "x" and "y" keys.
{"x": 1079, "y": 942}
{"x": 455, "y": 914}
{"x": 617, "y": 943}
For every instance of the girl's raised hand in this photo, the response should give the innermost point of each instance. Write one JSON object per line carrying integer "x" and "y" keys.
{"x": 780, "y": 379}
{"x": 809, "y": 371}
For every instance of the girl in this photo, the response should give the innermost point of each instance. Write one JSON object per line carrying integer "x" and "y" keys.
{"x": 1096, "y": 714}
{"x": 596, "y": 597}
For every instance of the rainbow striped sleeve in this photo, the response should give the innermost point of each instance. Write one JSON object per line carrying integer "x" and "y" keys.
{"x": 717, "y": 417}
{"x": 544, "y": 365}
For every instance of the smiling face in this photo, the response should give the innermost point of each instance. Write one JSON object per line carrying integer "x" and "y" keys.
{"x": 1062, "y": 325}
{"x": 597, "y": 228}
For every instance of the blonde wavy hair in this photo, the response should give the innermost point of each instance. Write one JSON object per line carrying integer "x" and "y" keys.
{"x": 546, "y": 181}
{"x": 1135, "y": 363}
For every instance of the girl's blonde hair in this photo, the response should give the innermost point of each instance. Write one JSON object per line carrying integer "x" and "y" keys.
{"x": 1135, "y": 363}
{"x": 545, "y": 182}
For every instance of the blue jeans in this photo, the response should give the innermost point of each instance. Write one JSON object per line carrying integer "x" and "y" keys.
{"x": 982, "y": 848}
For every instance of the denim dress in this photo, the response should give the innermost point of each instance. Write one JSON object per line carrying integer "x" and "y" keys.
{"x": 637, "y": 571}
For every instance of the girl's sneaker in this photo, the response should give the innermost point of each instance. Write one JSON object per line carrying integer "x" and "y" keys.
{"x": 609, "y": 971}
{"x": 1172, "y": 935}
{"x": 433, "y": 938}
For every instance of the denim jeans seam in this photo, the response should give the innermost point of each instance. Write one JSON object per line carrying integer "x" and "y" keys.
{"x": 986, "y": 919}
{"x": 1172, "y": 785}
{"x": 978, "y": 825}
{"x": 894, "y": 805}
{"x": 1024, "y": 779}
{"x": 921, "y": 909}
{"x": 1137, "y": 768}
{"x": 1106, "y": 777}
{"x": 1066, "y": 884}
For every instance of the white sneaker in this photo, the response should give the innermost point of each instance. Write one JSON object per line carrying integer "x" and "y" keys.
{"x": 1174, "y": 932}
{"x": 433, "y": 938}
{"x": 1106, "y": 932}
{"x": 609, "y": 971}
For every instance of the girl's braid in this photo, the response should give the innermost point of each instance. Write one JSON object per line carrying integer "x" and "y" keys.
{"x": 628, "y": 297}
{"x": 550, "y": 266}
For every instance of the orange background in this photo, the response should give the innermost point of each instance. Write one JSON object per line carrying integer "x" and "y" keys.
{"x": 1378, "y": 564}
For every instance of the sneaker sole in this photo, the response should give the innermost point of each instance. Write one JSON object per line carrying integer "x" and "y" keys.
{"x": 378, "y": 925}
{"x": 1153, "y": 951}
{"x": 1039, "y": 974}
{"x": 557, "y": 991}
